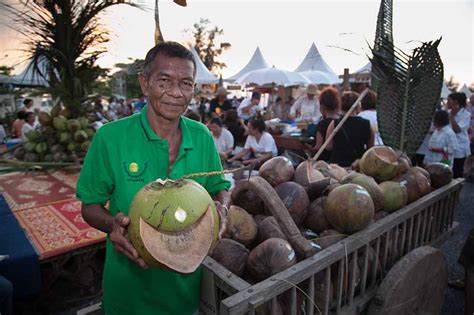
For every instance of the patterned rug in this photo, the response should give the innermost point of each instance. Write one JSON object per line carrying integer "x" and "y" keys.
{"x": 27, "y": 190}
{"x": 57, "y": 228}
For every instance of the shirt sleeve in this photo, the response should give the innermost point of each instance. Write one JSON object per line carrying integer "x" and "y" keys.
{"x": 296, "y": 106}
{"x": 230, "y": 140}
{"x": 269, "y": 143}
{"x": 96, "y": 181}
{"x": 464, "y": 121}
{"x": 247, "y": 143}
{"x": 452, "y": 143}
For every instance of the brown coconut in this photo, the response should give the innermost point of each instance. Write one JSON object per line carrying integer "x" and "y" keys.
{"x": 329, "y": 237}
{"x": 270, "y": 257}
{"x": 248, "y": 200}
{"x": 349, "y": 208}
{"x": 423, "y": 179}
{"x": 318, "y": 188}
{"x": 337, "y": 172}
{"x": 379, "y": 162}
{"x": 416, "y": 184}
{"x": 232, "y": 255}
{"x": 394, "y": 196}
{"x": 370, "y": 185}
{"x": 277, "y": 170}
{"x": 315, "y": 219}
{"x": 295, "y": 199}
{"x": 404, "y": 162}
{"x": 440, "y": 174}
{"x": 269, "y": 228}
{"x": 240, "y": 226}
{"x": 306, "y": 173}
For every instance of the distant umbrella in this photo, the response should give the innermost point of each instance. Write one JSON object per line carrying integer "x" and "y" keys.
{"x": 320, "y": 77}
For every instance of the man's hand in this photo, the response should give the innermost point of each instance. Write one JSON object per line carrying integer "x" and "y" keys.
{"x": 121, "y": 243}
{"x": 222, "y": 212}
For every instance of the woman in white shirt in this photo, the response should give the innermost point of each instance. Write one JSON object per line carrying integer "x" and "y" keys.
{"x": 369, "y": 112}
{"x": 29, "y": 124}
{"x": 460, "y": 120}
{"x": 223, "y": 139}
{"x": 260, "y": 145}
{"x": 443, "y": 142}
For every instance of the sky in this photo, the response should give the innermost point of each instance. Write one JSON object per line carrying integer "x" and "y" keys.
{"x": 284, "y": 31}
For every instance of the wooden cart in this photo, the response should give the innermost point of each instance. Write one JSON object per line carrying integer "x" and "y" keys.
{"x": 351, "y": 268}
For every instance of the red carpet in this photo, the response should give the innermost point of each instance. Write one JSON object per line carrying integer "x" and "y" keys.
{"x": 57, "y": 228}
{"x": 23, "y": 191}
{"x": 45, "y": 206}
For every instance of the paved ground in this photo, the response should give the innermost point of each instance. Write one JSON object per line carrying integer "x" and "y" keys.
{"x": 464, "y": 214}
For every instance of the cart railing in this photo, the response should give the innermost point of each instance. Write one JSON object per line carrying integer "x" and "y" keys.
{"x": 343, "y": 278}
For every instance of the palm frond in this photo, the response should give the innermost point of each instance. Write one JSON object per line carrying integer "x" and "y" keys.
{"x": 383, "y": 34}
{"x": 408, "y": 92}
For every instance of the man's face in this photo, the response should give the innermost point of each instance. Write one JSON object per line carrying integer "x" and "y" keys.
{"x": 254, "y": 101}
{"x": 310, "y": 96}
{"x": 29, "y": 104}
{"x": 169, "y": 86}
{"x": 452, "y": 104}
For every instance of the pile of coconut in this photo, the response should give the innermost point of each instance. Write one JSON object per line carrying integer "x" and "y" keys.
{"x": 58, "y": 138}
{"x": 325, "y": 202}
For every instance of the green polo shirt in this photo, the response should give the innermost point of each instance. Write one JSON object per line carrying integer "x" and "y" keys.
{"x": 123, "y": 157}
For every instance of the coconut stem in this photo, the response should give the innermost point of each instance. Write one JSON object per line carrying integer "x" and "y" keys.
{"x": 205, "y": 174}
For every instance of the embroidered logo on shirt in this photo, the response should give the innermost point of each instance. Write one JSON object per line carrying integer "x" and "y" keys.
{"x": 134, "y": 171}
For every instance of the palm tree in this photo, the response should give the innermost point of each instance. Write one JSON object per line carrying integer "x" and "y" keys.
{"x": 68, "y": 35}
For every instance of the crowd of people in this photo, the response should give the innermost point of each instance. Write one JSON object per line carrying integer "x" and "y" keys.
{"x": 230, "y": 120}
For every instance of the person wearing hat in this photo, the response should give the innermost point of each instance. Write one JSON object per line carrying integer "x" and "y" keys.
{"x": 306, "y": 108}
{"x": 220, "y": 104}
{"x": 248, "y": 107}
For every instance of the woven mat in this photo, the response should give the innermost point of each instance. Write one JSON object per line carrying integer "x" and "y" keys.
{"x": 57, "y": 228}
{"x": 23, "y": 191}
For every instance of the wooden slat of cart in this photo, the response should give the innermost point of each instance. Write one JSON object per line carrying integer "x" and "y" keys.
{"x": 267, "y": 289}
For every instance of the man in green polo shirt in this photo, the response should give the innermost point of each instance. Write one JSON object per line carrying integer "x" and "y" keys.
{"x": 129, "y": 153}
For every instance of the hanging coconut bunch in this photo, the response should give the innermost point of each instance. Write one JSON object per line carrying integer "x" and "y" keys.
{"x": 59, "y": 138}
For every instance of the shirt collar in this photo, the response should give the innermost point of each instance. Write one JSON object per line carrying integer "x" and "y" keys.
{"x": 186, "y": 139}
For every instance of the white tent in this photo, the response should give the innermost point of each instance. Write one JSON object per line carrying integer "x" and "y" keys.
{"x": 445, "y": 91}
{"x": 314, "y": 61}
{"x": 466, "y": 90}
{"x": 203, "y": 75}
{"x": 362, "y": 75}
{"x": 256, "y": 62}
{"x": 30, "y": 77}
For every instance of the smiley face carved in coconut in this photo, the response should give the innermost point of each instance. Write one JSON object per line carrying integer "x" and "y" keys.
{"x": 173, "y": 224}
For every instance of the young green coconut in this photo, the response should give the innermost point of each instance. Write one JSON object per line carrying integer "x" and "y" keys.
{"x": 173, "y": 224}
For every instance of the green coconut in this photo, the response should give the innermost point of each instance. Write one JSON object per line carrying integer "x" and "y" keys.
{"x": 80, "y": 136}
{"x": 84, "y": 122}
{"x": 31, "y": 157}
{"x": 41, "y": 148}
{"x": 73, "y": 125}
{"x": 71, "y": 146}
{"x": 395, "y": 196}
{"x": 30, "y": 146}
{"x": 60, "y": 123}
{"x": 44, "y": 119}
{"x": 368, "y": 183}
{"x": 33, "y": 136}
{"x": 65, "y": 137}
{"x": 90, "y": 132}
{"x": 380, "y": 162}
{"x": 349, "y": 208}
{"x": 173, "y": 224}
{"x": 85, "y": 145}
